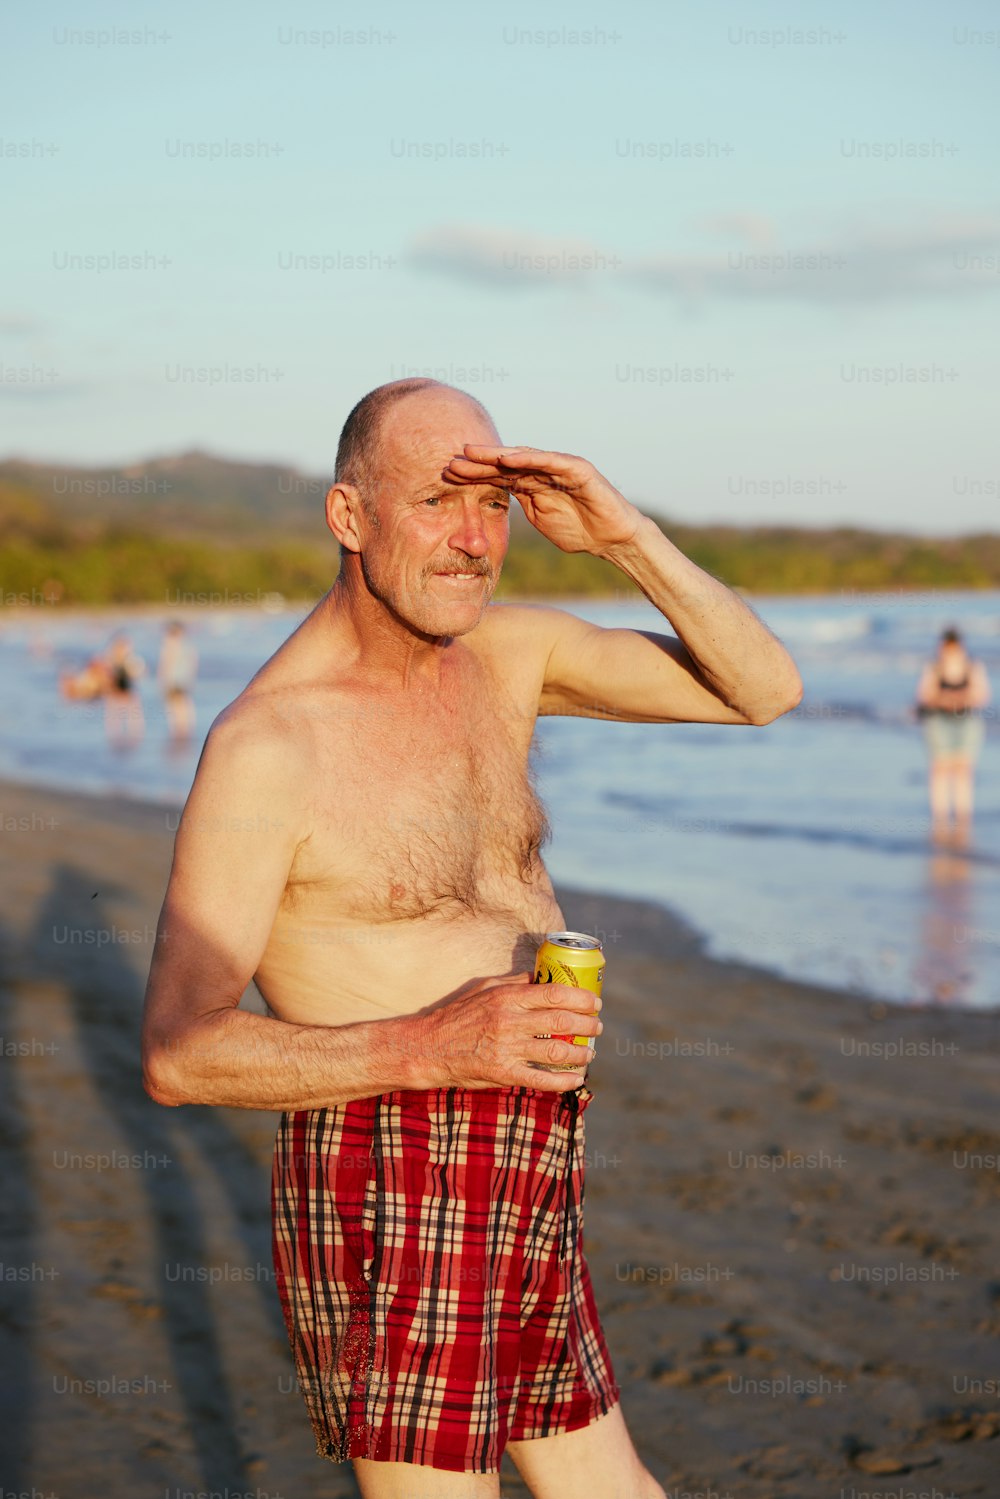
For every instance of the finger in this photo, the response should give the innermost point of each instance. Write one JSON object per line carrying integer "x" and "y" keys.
{"x": 557, "y": 463}
{"x": 507, "y": 475}
{"x": 569, "y": 1023}
{"x": 495, "y": 477}
{"x": 526, "y": 483}
{"x": 469, "y": 471}
{"x": 557, "y": 996}
{"x": 473, "y": 467}
{"x": 491, "y": 452}
{"x": 465, "y": 471}
{"x": 540, "y": 1078}
{"x": 561, "y": 1054}
{"x": 568, "y": 996}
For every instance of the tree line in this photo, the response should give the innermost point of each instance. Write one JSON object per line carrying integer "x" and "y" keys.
{"x": 87, "y": 558}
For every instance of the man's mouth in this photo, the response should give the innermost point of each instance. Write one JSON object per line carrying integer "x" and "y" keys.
{"x": 459, "y": 575}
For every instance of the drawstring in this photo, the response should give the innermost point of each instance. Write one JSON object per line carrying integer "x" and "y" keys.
{"x": 572, "y": 1102}
{"x": 378, "y": 1175}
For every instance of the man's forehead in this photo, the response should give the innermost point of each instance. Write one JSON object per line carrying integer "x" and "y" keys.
{"x": 427, "y": 428}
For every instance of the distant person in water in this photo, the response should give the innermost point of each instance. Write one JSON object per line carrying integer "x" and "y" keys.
{"x": 176, "y": 672}
{"x": 953, "y": 688}
{"x": 123, "y": 717}
{"x": 87, "y": 684}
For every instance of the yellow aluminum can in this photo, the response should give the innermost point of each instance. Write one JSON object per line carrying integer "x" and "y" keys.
{"x": 571, "y": 958}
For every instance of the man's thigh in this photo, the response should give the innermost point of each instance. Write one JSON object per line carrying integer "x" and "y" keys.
{"x": 415, "y": 1481}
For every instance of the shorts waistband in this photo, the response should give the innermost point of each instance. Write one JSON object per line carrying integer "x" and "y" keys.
{"x": 421, "y": 1099}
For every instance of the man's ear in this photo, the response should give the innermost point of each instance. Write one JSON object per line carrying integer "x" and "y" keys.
{"x": 343, "y": 515}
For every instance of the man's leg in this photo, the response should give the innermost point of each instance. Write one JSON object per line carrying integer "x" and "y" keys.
{"x": 599, "y": 1459}
{"x": 415, "y": 1481}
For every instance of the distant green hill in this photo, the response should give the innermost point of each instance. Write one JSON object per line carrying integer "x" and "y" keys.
{"x": 192, "y": 494}
{"x": 173, "y": 529}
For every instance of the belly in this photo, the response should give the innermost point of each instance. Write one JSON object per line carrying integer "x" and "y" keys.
{"x": 323, "y": 969}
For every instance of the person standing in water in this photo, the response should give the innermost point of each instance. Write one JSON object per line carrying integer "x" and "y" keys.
{"x": 177, "y": 669}
{"x": 953, "y": 688}
{"x": 123, "y": 716}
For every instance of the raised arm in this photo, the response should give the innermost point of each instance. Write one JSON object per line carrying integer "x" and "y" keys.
{"x": 725, "y": 666}
{"x": 235, "y": 845}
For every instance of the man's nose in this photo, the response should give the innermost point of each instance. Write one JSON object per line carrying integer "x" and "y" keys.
{"x": 469, "y": 534}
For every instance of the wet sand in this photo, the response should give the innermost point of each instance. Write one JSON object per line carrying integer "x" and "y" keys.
{"x": 792, "y": 1222}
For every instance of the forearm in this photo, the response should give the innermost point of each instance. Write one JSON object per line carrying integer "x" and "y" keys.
{"x": 240, "y": 1060}
{"x": 735, "y": 652}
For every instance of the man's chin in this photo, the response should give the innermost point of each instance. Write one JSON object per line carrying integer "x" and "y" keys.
{"x": 457, "y": 616}
{"x": 458, "y": 620}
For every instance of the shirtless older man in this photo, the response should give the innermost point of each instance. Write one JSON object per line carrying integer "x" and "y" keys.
{"x": 363, "y": 840}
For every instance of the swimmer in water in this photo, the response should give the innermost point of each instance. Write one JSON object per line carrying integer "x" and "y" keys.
{"x": 176, "y": 672}
{"x": 123, "y": 717}
{"x": 953, "y": 689}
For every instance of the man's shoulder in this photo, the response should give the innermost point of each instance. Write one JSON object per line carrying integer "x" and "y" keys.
{"x": 251, "y": 775}
{"x": 533, "y": 627}
{"x": 259, "y": 731}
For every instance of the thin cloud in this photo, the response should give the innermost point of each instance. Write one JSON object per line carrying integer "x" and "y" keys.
{"x": 753, "y": 227}
{"x": 506, "y": 260}
{"x": 15, "y": 325}
{"x": 879, "y": 264}
{"x": 949, "y": 256}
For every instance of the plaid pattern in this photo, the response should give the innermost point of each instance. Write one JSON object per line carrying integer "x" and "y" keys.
{"x": 428, "y": 1250}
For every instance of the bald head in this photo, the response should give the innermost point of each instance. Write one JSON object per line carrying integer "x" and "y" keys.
{"x": 361, "y": 451}
{"x": 418, "y": 548}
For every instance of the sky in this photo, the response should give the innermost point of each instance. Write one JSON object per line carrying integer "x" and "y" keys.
{"x": 745, "y": 258}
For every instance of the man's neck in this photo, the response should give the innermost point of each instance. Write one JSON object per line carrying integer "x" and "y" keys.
{"x": 382, "y": 646}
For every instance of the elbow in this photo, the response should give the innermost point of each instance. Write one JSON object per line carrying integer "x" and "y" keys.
{"x": 779, "y": 704}
{"x": 162, "y": 1079}
{"x": 163, "y": 1097}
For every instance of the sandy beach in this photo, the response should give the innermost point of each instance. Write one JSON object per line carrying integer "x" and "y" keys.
{"x": 792, "y": 1215}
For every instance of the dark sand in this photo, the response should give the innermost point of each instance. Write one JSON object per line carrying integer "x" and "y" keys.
{"x": 792, "y": 1232}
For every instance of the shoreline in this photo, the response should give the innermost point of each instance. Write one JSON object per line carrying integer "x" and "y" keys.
{"x": 117, "y": 808}
{"x": 277, "y": 603}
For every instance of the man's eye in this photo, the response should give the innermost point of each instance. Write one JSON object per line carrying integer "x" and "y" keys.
{"x": 435, "y": 499}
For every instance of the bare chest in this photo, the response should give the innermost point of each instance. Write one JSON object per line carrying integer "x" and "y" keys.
{"x": 424, "y": 812}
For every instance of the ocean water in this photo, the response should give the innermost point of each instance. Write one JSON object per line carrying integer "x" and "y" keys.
{"x": 802, "y": 847}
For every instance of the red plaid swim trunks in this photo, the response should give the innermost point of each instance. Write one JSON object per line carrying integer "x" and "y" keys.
{"x": 428, "y": 1251}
